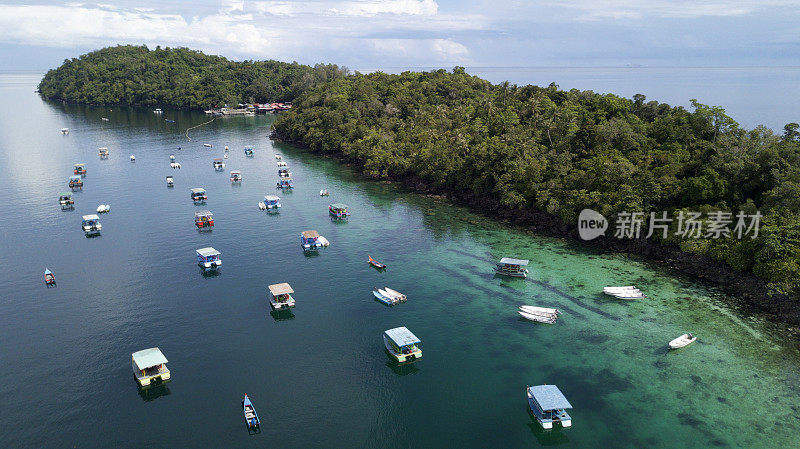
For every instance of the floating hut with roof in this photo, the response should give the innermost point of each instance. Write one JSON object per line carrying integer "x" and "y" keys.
{"x": 208, "y": 258}
{"x": 199, "y": 195}
{"x": 66, "y": 201}
{"x": 149, "y": 366}
{"x": 338, "y": 210}
{"x": 548, "y": 405}
{"x": 512, "y": 267}
{"x": 310, "y": 240}
{"x": 281, "y": 296}
{"x": 402, "y": 345}
{"x": 91, "y": 224}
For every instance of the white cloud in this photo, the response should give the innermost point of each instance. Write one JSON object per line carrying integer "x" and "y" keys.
{"x": 304, "y": 30}
{"x": 675, "y": 9}
{"x": 361, "y": 8}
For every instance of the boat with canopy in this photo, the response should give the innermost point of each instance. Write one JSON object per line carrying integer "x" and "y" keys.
{"x": 149, "y": 366}
{"x": 281, "y": 296}
{"x": 512, "y": 267}
{"x": 548, "y": 405}
{"x": 402, "y": 345}
{"x": 208, "y": 258}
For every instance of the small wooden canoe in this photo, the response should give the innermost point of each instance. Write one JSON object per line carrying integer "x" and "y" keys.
{"x": 250, "y": 415}
{"x": 49, "y": 277}
{"x": 683, "y": 340}
{"x": 376, "y": 264}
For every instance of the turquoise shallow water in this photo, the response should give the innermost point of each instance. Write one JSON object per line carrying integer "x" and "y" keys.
{"x": 320, "y": 378}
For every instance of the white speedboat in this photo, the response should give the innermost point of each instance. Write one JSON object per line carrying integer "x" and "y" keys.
{"x": 103, "y": 208}
{"x": 630, "y": 294}
{"x": 133, "y": 158}
{"x": 683, "y": 340}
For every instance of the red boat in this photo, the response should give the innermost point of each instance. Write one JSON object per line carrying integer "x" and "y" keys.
{"x": 376, "y": 264}
{"x": 204, "y": 219}
{"x": 49, "y": 278}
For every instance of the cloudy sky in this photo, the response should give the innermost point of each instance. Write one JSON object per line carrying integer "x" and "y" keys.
{"x": 366, "y": 34}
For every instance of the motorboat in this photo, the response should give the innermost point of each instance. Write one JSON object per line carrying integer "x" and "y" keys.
{"x": 683, "y": 340}
{"x": 536, "y": 317}
{"x": 103, "y": 208}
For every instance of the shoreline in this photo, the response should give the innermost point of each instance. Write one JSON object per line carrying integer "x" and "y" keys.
{"x": 745, "y": 292}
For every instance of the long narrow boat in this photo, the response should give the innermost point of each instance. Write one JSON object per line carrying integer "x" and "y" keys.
{"x": 376, "y": 264}
{"x": 539, "y": 310}
{"x": 386, "y": 300}
{"x": 49, "y": 277}
{"x": 400, "y": 297}
{"x": 250, "y": 415}
{"x": 537, "y": 318}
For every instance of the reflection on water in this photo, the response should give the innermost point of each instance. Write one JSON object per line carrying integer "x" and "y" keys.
{"x": 282, "y": 314}
{"x": 401, "y": 369}
{"x": 153, "y": 392}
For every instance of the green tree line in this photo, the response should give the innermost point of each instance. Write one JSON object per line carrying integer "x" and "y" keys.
{"x": 177, "y": 78}
{"x": 558, "y": 151}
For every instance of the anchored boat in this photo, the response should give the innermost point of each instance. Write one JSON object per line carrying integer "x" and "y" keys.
{"x": 79, "y": 169}
{"x": 281, "y": 296}
{"x": 91, "y": 224}
{"x": 376, "y": 264}
{"x": 208, "y": 258}
{"x": 284, "y": 173}
{"x": 548, "y": 406}
{"x": 272, "y": 203}
{"x": 66, "y": 201}
{"x": 236, "y": 176}
{"x": 102, "y": 152}
{"x": 402, "y": 345}
{"x": 338, "y": 210}
{"x": 512, "y": 267}
{"x": 310, "y": 240}
{"x": 199, "y": 195}
{"x": 65, "y": 131}
{"x": 218, "y": 164}
{"x": 248, "y": 151}
{"x": 170, "y": 181}
{"x": 204, "y": 220}
{"x": 285, "y": 183}
{"x": 683, "y": 340}
{"x": 383, "y": 297}
{"x": 75, "y": 182}
{"x": 49, "y": 278}
{"x": 149, "y": 367}
{"x": 103, "y": 208}
{"x": 250, "y": 415}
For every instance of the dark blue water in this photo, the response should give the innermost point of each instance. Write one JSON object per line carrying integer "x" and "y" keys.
{"x": 320, "y": 378}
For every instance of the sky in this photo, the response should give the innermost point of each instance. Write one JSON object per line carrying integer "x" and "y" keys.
{"x": 36, "y": 35}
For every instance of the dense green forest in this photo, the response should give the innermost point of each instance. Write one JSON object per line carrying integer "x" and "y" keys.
{"x": 178, "y": 78}
{"x": 544, "y": 149}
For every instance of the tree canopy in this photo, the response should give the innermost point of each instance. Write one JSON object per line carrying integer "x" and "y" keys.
{"x": 558, "y": 151}
{"x": 177, "y": 77}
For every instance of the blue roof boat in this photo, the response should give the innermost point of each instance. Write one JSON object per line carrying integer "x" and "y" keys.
{"x": 548, "y": 405}
{"x": 402, "y": 345}
{"x": 250, "y": 415}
